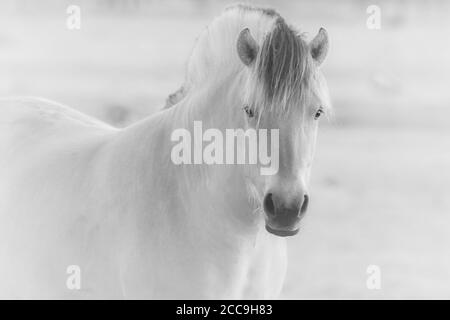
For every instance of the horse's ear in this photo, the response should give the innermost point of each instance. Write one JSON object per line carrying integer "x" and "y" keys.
{"x": 247, "y": 47}
{"x": 319, "y": 46}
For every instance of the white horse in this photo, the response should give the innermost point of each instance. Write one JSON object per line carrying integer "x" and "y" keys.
{"x": 79, "y": 198}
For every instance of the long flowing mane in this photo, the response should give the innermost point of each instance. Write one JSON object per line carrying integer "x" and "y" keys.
{"x": 284, "y": 68}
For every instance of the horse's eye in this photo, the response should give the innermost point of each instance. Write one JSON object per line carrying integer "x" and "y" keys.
{"x": 249, "y": 111}
{"x": 318, "y": 114}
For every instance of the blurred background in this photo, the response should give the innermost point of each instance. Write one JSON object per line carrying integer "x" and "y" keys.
{"x": 381, "y": 179}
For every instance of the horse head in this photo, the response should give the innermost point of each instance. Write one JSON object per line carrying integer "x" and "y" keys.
{"x": 284, "y": 89}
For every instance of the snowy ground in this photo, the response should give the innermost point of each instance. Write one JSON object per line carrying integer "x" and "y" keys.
{"x": 381, "y": 177}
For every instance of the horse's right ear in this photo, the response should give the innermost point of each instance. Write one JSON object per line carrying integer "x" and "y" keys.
{"x": 247, "y": 47}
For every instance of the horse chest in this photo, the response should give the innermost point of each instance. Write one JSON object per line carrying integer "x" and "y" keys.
{"x": 266, "y": 270}
{"x": 202, "y": 273}
{"x": 254, "y": 273}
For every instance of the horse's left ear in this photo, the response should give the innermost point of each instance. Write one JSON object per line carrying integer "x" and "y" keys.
{"x": 319, "y": 46}
{"x": 247, "y": 47}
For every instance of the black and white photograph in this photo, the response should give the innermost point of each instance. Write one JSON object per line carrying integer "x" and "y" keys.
{"x": 219, "y": 150}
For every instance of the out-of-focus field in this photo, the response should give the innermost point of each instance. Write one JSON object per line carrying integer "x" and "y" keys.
{"x": 382, "y": 172}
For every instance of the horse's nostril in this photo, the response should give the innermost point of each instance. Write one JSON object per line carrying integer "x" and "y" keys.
{"x": 269, "y": 207}
{"x": 273, "y": 209}
{"x": 304, "y": 204}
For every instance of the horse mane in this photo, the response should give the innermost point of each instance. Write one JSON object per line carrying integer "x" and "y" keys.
{"x": 284, "y": 65}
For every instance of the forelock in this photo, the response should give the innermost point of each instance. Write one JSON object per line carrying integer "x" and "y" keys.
{"x": 284, "y": 65}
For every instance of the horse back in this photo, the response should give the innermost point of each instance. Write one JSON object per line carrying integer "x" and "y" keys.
{"x": 34, "y": 121}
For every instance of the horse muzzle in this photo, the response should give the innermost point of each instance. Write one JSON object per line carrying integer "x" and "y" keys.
{"x": 283, "y": 219}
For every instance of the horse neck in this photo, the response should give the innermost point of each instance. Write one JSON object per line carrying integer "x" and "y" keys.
{"x": 212, "y": 197}
{"x": 221, "y": 187}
